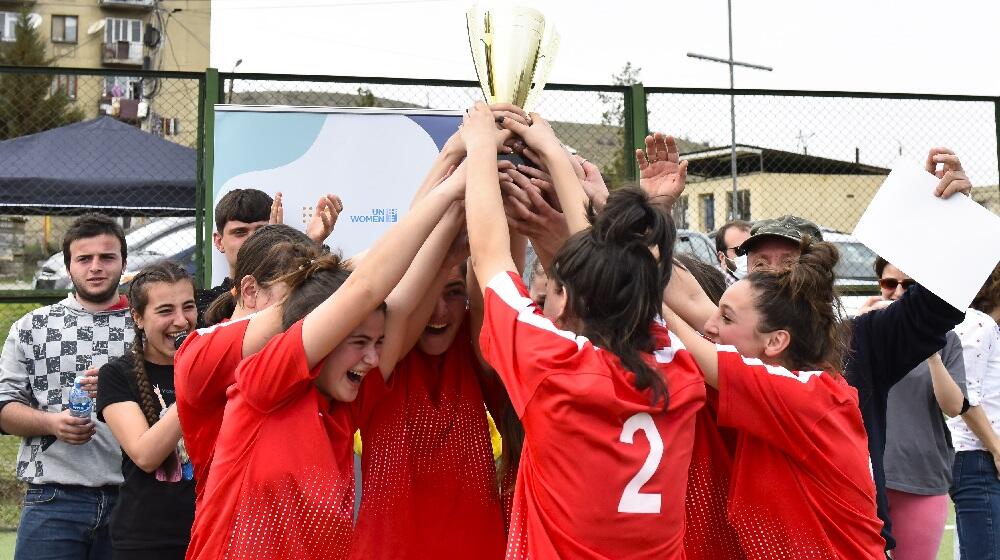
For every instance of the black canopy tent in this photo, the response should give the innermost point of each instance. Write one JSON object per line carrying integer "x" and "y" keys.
{"x": 100, "y": 165}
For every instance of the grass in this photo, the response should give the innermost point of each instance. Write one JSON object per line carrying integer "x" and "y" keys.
{"x": 947, "y": 550}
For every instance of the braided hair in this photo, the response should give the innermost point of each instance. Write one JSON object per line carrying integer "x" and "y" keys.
{"x": 138, "y": 297}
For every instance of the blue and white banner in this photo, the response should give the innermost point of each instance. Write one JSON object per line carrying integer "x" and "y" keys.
{"x": 374, "y": 159}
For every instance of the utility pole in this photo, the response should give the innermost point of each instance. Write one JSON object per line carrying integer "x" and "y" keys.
{"x": 732, "y": 99}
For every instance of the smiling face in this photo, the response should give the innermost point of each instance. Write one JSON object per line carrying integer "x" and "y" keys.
{"x": 170, "y": 311}
{"x": 899, "y": 276}
{"x": 95, "y": 267}
{"x": 449, "y": 313}
{"x": 352, "y": 359}
{"x": 735, "y": 322}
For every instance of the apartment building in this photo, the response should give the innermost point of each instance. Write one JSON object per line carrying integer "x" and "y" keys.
{"x": 125, "y": 35}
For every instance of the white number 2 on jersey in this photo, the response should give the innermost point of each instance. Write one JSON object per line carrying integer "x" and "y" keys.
{"x": 634, "y": 501}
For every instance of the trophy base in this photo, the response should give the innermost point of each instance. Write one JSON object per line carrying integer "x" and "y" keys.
{"x": 516, "y": 159}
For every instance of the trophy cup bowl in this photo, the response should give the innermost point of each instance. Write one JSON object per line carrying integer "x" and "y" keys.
{"x": 513, "y": 50}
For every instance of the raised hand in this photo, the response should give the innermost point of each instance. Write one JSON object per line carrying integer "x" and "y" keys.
{"x": 538, "y": 136}
{"x": 277, "y": 211}
{"x": 324, "y": 218}
{"x": 479, "y": 127}
{"x": 592, "y": 181}
{"x": 952, "y": 176}
{"x": 661, "y": 173}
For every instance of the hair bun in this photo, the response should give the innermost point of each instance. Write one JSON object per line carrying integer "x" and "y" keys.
{"x": 628, "y": 217}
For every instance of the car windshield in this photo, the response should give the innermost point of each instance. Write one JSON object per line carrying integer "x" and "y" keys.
{"x": 172, "y": 243}
{"x": 856, "y": 261}
{"x": 696, "y": 246}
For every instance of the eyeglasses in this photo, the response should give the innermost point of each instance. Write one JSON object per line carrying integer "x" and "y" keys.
{"x": 891, "y": 283}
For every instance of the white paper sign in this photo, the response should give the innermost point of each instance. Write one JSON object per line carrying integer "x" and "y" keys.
{"x": 948, "y": 245}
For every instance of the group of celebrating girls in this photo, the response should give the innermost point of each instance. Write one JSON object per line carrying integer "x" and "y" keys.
{"x": 639, "y": 418}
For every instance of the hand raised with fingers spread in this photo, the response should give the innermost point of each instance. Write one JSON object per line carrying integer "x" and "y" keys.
{"x": 952, "y": 176}
{"x": 277, "y": 211}
{"x": 661, "y": 173}
{"x": 324, "y": 218}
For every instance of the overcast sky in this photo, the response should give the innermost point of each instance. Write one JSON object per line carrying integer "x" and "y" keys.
{"x": 914, "y": 46}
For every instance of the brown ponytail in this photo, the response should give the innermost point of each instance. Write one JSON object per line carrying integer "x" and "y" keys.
{"x": 313, "y": 279}
{"x": 261, "y": 258}
{"x": 138, "y": 298}
{"x": 801, "y": 300}
{"x": 614, "y": 283}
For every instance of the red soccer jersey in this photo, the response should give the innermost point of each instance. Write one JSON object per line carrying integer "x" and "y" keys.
{"x": 801, "y": 484}
{"x": 603, "y": 472}
{"x": 204, "y": 367}
{"x": 282, "y": 480}
{"x": 429, "y": 487}
{"x": 708, "y": 534}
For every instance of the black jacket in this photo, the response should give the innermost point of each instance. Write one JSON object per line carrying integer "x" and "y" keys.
{"x": 885, "y": 345}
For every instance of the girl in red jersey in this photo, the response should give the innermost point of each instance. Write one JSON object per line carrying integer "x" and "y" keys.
{"x": 282, "y": 480}
{"x": 205, "y": 365}
{"x": 801, "y": 482}
{"x": 608, "y": 413}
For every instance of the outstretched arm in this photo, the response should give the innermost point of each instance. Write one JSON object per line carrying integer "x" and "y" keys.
{"x": 489, "y": 238}
{"x": 703, "y": 351}
{"x": 367, "y": 287}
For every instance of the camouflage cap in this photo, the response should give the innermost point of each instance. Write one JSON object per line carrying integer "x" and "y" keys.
{"x": 790, "y": 227}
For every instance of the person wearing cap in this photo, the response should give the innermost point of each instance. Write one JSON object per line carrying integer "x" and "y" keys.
{"x": 885, "y": 344}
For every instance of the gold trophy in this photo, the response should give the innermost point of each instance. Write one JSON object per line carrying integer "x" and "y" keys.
{"x": 513, "y": 50}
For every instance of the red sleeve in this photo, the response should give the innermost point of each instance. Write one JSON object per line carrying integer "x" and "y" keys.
{"x": 521, "y": 344}
{"x": 278, "y": 373}
{"x": 769, "y": 402}
{"x": 201, "y": 367}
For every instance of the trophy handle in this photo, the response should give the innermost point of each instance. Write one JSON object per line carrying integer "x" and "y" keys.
{"x": 480, "y": 43}
{"x": 543, "y": 66}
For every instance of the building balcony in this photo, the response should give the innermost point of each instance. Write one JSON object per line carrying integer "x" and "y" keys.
{"x": 140, "y": 5}
{"x": 122, "y": 53}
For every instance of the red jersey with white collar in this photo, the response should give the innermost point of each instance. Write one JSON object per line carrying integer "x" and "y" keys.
{"x": 429, "y": 482}
{"x": 282, "y": 480}
{"x": 802, "y": 485}
{"x": 204, "y": 367}
{"x": 603, "y": 471}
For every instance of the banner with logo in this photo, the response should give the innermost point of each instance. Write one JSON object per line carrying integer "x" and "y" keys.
{"x": 373, "y": 158}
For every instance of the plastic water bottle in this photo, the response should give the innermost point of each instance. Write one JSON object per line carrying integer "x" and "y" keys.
{"x": 80, "y": 403}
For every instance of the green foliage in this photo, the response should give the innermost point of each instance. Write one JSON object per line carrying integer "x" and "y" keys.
{"x": 614, "y": 115}
{"x": 366, "y": 98}
{"x": 27, "y": 102}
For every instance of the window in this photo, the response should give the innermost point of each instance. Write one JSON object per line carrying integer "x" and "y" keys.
{"x": 121, "y": 86}
{"x": 8, "y": 26}
{"x": 680, "y": 212}
{"x": 119, "y": 29}
{"x": 707, "y": 211}
{"x": 65, "y": 84}
{"x": 742, "y": 205}
{"x": 64, "y": 29}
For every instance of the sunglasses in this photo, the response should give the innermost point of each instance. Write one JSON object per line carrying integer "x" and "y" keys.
{"x": 891, "y": 283}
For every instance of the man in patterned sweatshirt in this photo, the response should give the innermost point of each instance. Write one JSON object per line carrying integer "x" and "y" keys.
{"x": 72, "y": 466}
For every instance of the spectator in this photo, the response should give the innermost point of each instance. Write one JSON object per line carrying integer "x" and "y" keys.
{"x": 918, "y": 452}
{"x": 730, "y": 236}
{"x": 241, "y": 212}
{"x": 155, "y": 509}
{"x": 976, "y": 487}
{"x": 71, "y": 466}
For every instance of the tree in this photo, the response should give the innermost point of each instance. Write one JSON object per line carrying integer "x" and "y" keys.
{"x": 366, "y": 98}
{"x": 614, "y": 116}
{"x": 28, "y": 103}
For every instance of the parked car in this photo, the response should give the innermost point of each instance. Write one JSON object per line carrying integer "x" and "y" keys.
{"x": 178, "y": 246}
{"x": 855, "y": 272}
{"x": 52, "y": 274}
{"x": 696, "y": 244}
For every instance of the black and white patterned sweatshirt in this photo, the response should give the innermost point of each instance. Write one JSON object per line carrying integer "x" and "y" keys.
{"x": 44, "y": 351}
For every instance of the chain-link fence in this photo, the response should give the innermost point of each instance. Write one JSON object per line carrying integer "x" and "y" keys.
{"x": 124, "y": 143}
{"x": 130, "y": 144}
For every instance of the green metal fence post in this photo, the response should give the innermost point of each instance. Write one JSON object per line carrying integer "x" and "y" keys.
{"x": 636, "y": 125}
{"x": 210, "y": 96}
{"x": 996, "y": 121}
